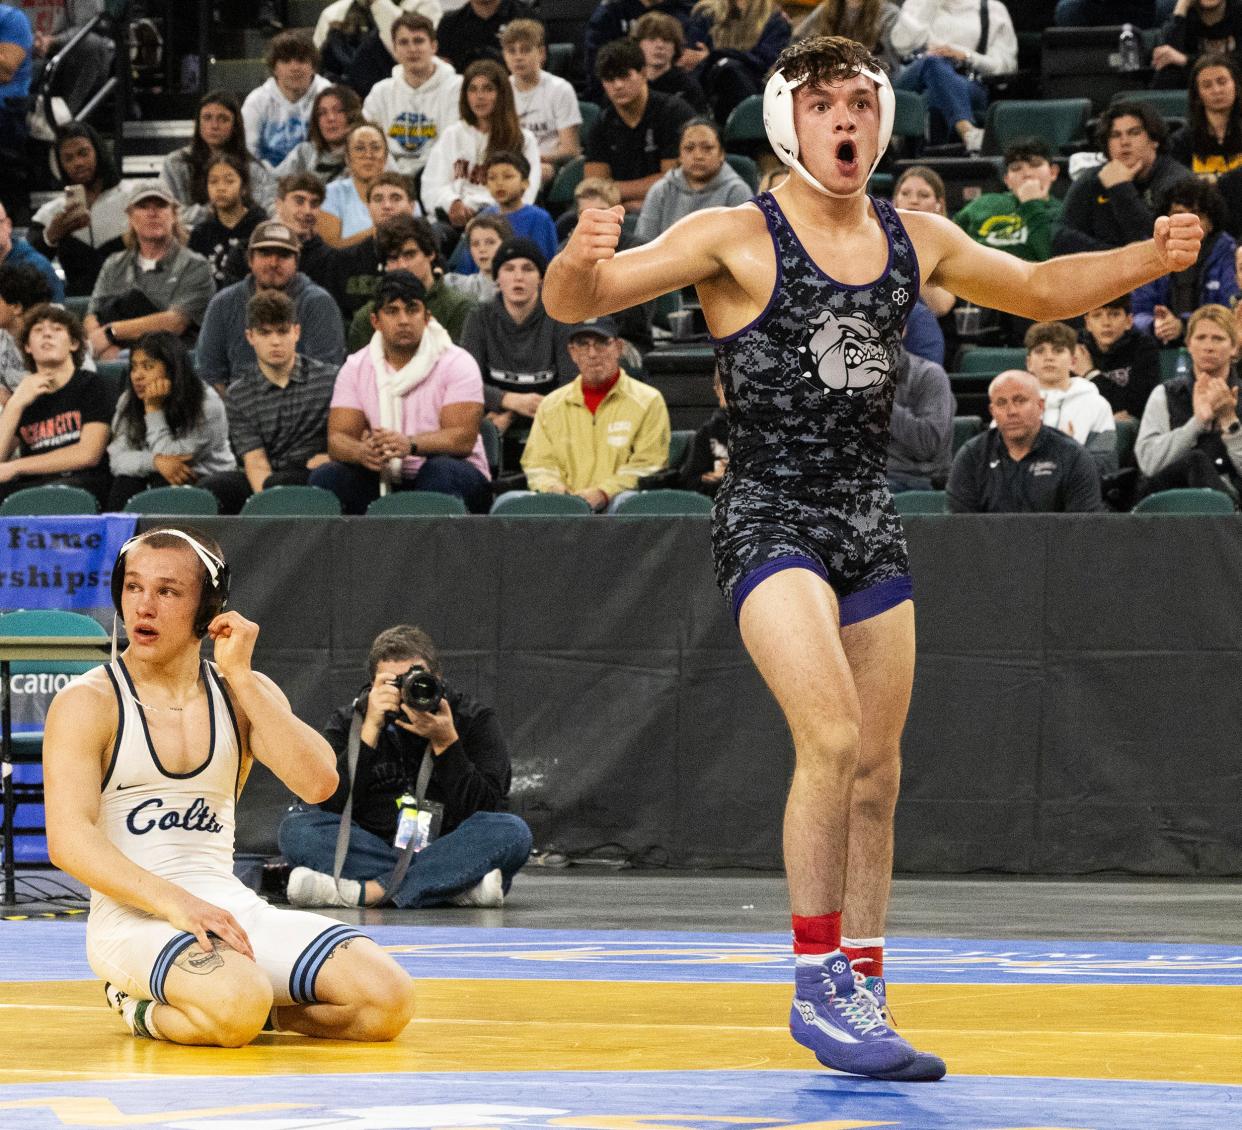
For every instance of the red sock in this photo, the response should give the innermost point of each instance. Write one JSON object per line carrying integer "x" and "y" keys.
{"x": 819, "y": 933}
{"x": 867, "y": 960}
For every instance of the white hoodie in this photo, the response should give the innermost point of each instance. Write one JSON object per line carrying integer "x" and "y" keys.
{"x": 1082, "y": 408}
{"x": 414, "y": 117}
{"x": 274, "y": 125}
{"x": 926, "y": 23}
{"x": 455, "y": 169}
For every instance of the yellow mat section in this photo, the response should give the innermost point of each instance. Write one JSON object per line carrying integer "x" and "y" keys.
{"x": 63, "y": 1031}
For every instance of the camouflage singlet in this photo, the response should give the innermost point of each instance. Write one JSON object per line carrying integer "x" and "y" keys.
{"x": 809, "y": 396}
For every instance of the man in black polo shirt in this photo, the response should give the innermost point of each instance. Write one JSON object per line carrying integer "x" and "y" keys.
{"x": 636, "y": 140}
{"x": 473, "y": 30}
{"x": 1020, "y": 466}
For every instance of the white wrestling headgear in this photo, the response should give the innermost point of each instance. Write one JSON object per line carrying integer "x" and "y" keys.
{"x": 778, "y": 120}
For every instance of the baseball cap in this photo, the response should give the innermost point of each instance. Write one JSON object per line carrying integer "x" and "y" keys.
{"x": 519, "y": 248}
{"x": 150, "y": 190}
{"x": 274, "y": 233}
{"x": 602, "y": 326}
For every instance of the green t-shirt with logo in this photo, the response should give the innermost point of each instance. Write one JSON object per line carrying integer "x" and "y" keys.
{"x": 999, "y": 220}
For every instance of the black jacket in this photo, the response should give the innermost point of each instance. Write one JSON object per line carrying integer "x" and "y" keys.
{"x": 1128, "y": 370}
{"x": 1055, "y": 476}
{"x": 1095, "y": 217}
{"x": 472, "y": 775}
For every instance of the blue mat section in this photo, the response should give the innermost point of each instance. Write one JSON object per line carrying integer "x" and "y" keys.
{"x": 695, "y": 1100}
{"x": 56, "y": 951}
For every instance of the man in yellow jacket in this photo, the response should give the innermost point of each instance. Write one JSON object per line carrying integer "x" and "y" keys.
{"x": 598, "y": 435}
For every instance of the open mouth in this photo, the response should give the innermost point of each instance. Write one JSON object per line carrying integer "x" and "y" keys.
{"x": 847, "y": 156}
{"x": 143, "y": 633}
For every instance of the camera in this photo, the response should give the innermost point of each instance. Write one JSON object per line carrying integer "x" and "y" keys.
{"x": 420, "y": 689}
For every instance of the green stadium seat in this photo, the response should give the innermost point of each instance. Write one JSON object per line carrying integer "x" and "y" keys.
{"x": 590, "y": 115}
{"x": 37, "y": 501}
{"x": 911, "y": 115}
{"x": 238, "y": 75}
{"x": 1127, "y": 433}
{"x": 568, "y": 177}
{"x": 965, "y": 428}
{"x": 173, "y": 500}
{"x": 921, "y": 502}
{"x": 517, "y": 505}
{"x": 1187, "y": 500}
{"x": 678, "y": 445}
{"x": 292, "y": 501}
{"x": 1168, "y": 362}
{"x": 76, "y": 304}
{"x": 560, "y": 59}
{"x": 1059, "y": 121}
{"x": 1169, "y": 103}
{"x": 655, "y": 502}
{"x": 991, "y": 359}
{"x": 745, "y": 123}
{"x": 490, "y": 435}
{"x": 417, "y": 502}
{"x": 745, "y": 168}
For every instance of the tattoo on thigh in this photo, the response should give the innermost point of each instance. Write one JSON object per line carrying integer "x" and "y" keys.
{"x": 341, "y": 947}
{"x": 194, "y": 959}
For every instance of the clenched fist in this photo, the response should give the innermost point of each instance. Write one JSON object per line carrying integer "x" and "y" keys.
{"x": 596, "y": 235}
{"x": 1178, "y": 239}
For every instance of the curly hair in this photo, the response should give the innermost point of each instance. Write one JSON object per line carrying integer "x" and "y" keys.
{"x": 824, "y": 59}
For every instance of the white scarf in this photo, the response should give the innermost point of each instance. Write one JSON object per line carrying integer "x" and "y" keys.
{"x": 393, "y": 386}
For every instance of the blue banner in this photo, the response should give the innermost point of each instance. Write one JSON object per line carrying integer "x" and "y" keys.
{"x": 61, "y": 562}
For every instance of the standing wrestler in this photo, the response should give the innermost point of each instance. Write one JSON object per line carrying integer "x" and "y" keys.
{"x": 805, "y": 291}
{"x": 144, "y": 759}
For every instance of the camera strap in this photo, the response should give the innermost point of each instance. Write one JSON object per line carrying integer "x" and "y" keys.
{"x": 342, "y": 836}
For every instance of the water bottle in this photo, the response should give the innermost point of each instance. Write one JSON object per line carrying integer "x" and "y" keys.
{"x": 1128, "y": 49}
{"x": 1183, "y": 364}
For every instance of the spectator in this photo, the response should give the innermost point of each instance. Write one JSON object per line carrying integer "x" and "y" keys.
{"x": 1123, "y": 362}
{"x": 597, "y": 436}
{"x": 521, "y": 351}
{"x": 21, "y": 288}
{"x": 217, "y": 129}
{"x": 615, "y": 19}
{"x": 54, "y": 24}
{"x": 223, "y": 347}
{"x": 349, "y": 32}
{"x": 1196, "y": 28}
{"x": 478, "y": 849}
{"x": 16, "y": 67}
{"x": 483, "y": 235}
{"x": 155, "y": 283}
{"x": 83, "y": 226}
{"x": 169, "y": 428}
{"x": 731, "y": 46}
{"x": 707, "y": 457}
{"x": 335, "y": 111}
{"x": 1020, "y": 221}
{"x": 635, "y": 140}
{"x": 1190, "y": 435}
{"x": 701, "y": 179}
{"x": 633, "y": 323}
{"x": 920, "y": 189}
{"x": 1210, "y": 144}
{"x": 1072, "y": 405}
{"x": 473, "y": 31}
{"x": 406, "y": 410}
{"x": 359, "y": 266}
{"x": 15, "y": 251}
{"x": 276, "y": 115}
{"x": 547, "y": 105}
{"x": 453, "y": 187}
{"x": 1162, "y": 306}
{"x": 404, "y": 243}
{"x": 57, "y": 418}
{"x": 1116, "y": 203}
{"x": 231, "y": 215}
{"x": 869, "y": 22}
{"x": 951, "y": 46}
{"x": 507, "y": 176}
{"x": 277, "y": 407}
{"x": 1022, "y": 466}
{"x": 662, "y": 39}
{"x": 920, "y": 441}
{"x": 345, "y": 218}
{"x": 420, "y": 101}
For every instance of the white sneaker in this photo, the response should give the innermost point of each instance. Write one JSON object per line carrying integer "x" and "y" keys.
{"x": 973, "y": 139}
{"x": 488, "y": 891}
{"x": 315, "y": 888}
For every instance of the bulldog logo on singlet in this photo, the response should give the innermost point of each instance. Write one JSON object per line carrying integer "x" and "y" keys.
{"x": 845, "y": 352}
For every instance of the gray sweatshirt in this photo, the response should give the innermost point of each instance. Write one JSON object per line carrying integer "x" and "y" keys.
{"x": 671, "y": 198}
{"x": 208, "y": 443}
{"x": 921, "y": 428}
{"x": 176, "y": 177}
{"x": 1159, "y": 444}
{"x": 529, "y": 356}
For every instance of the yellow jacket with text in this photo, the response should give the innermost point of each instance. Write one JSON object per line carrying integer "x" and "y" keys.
{"x": 626, "y": 438}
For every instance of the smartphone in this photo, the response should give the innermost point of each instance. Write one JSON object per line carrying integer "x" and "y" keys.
{"x": 75, "y": 196}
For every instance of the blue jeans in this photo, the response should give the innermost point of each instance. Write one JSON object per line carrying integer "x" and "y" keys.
{"x": 956, "y": 97}
{"x": 357, "y": 487}
{"x": 452, "y": 863}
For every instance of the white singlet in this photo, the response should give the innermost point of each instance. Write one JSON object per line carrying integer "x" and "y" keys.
{"x": 180, "y": 827}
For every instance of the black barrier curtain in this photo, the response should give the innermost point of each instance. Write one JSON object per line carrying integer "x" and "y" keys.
{"x": 1073, "y": 708}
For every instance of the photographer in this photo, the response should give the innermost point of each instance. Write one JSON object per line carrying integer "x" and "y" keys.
{"x": 472, "y": 859}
